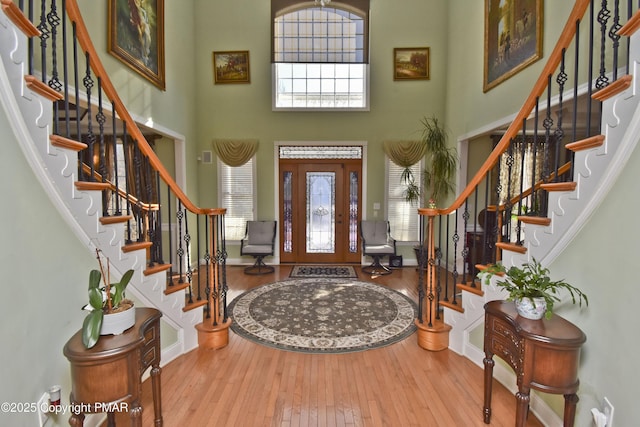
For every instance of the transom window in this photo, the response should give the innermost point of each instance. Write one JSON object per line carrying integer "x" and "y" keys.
{"x": 320, "y": 57}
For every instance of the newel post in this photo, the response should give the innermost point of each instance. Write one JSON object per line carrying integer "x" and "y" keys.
{"x": 213, "y": 332}
{"x": 433, "y": 333}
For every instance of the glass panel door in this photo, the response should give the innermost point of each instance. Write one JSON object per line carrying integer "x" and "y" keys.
{"x": 321, "y": 210}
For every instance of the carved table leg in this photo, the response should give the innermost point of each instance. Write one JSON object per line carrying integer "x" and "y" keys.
{"x": 76, "y": 420}
{"x": 157, "y": 395}
{"x": 488, "y": 383}
{"x": 522, "y": 406}
{"x": 136, "y": 415}
{"x": 570, "y": 402}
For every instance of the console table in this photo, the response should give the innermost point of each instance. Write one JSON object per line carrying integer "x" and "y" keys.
{"x": 107, "y": 377}
{"x": 544, "y": 354}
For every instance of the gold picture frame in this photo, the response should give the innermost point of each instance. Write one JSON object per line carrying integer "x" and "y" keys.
{"x": 231, "y": 66}
{"x": 512, "y": 38}
{"x": 411, "y": 63}
{"x": 136, "y": 37}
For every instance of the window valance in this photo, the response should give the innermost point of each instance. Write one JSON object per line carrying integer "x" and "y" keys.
{"x": 235, "y": 152}
{"x": 404, "y": 153}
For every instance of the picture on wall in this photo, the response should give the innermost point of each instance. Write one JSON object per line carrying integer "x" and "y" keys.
{"x": 231, "y": 67}
{"x": 136, "y": 37}
{"x": 512, "y": 38}
{"x": 411, "y": 63}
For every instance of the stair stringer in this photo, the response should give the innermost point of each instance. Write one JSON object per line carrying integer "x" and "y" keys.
{"x": 31, "y": 120}
{"x": 596, "y": 170}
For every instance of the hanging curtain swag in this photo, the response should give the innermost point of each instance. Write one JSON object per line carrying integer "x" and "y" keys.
{"x": 404, "y": 153}
{"x": 235, "y": 152}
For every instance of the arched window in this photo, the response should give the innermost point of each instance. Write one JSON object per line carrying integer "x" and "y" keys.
{"x": 320, "y": 55}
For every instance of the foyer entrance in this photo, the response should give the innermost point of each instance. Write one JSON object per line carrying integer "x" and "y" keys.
{"x": 320, "y": 194}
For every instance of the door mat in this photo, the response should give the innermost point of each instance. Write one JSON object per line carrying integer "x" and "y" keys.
{"x": 336, "y": 271}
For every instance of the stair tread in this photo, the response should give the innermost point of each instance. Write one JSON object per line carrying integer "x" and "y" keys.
{"x": 477, "y": 290}
{"x": 613, "y": 88}
{"x": 130, "y": 247}
{"x": 194, "y": 305}
{"x": 514, "y": 247}
{"x": 156, "y": 268}
{"x": 537, "y": 220}
{"x": 176, "y": 287}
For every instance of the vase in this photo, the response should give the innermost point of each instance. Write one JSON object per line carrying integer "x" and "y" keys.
{"x": 117, "y": 323}
{"x": 531, "y": 308}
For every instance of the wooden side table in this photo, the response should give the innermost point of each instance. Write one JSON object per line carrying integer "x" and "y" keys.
{"x": 544, "y": 354}
{"x": 107, "y": 377}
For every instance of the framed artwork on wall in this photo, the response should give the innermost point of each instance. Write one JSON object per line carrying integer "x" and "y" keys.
{"x": 231, "y": 67}
{"x": 512, "y": 38}
{"x": 411, "y": 63}
{"x": 136, "y": 37}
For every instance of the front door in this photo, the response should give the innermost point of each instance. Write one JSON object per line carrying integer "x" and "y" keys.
{"x": 320, "y": 211}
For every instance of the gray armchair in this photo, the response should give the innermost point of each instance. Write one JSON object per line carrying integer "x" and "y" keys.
{"x": 259, "y": 242}
{"x": 376, "y": 243}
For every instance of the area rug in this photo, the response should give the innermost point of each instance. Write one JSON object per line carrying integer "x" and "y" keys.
{"x": 323, "y": 315}
{"x": 337, "y": 271}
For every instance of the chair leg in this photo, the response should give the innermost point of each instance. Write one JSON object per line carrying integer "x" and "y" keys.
{"x": 376, "y": 267}
{"x": 259, "y": 267}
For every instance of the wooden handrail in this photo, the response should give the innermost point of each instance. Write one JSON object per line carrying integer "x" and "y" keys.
{"x": 566, "y": 38}
{"x": 86, "y": 44}
{"x": 123, "y": 194}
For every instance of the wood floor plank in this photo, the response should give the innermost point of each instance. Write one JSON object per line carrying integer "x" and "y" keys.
{"x": 247, "y": 384}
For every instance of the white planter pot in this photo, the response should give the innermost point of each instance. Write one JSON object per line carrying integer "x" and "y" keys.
{"x": 117, "y": 323}
{"x": 531, "y": 309}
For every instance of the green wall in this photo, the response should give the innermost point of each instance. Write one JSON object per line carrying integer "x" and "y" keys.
{"x": 45, "y": 270}
{"x": 244, "y": 110}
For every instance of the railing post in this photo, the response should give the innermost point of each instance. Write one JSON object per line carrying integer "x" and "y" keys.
{"x": 214, "y": 333}
{"x": 433, "y": 333}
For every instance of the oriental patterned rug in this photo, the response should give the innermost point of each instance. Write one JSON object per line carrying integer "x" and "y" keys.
{"x": 337, "y": 271}
{"x": 323, "y": 315}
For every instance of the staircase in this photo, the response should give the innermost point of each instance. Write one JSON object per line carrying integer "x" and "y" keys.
{"x": 597, "y": 162}
{"x": 54, "y": 159}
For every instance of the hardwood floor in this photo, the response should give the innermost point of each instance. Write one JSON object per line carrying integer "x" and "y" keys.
{"x": 246, "y": 384}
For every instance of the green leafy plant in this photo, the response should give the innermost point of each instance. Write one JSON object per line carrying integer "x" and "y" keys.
{"x": 105, "y": 299}
{"x": 532, "y": 280}
{"x": 440, "y": 166}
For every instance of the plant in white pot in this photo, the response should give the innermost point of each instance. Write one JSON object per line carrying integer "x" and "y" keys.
{"x": 532, "y": 290}
{"x": 111, "y": 312}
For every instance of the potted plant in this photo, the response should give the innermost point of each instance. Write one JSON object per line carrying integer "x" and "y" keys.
{"x": 111, "y": 312}
{"x": 531, "y": 288}
{"x": 440, "y": 166}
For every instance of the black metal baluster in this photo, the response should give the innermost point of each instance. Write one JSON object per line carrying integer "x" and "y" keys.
{"x": 101, "y": 118}
{"x": 561, "y": 79}
{"x": 455, "y": 239}
{"x": 603, "y": 17}
{"x": 615, "y": 37}
{"x": 207, "y": 263}
{"x": 199, "y": 275}
{"x": 171, "y": 253}
{"x": 187, "y": 241}
{"x": 180, "y": 249}
{"x": 223, "y": 267}
{"x": 127, "y": 180}
{"x": 44, "y": 36}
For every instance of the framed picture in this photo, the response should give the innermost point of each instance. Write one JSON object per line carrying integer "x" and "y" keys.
{"x": 512, "y": 38}
{"x": 411, "y": 63}
{"x": 136, "y": 37}
{"x": 231, "y": 67}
